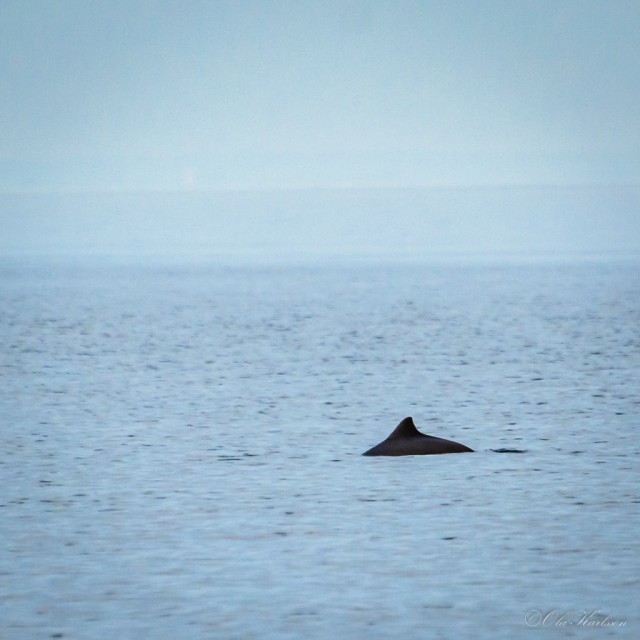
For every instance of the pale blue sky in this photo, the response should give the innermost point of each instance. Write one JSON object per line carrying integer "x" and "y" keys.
{"x": 194, "y": 94}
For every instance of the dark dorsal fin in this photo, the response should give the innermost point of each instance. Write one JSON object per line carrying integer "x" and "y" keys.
{"x": 406, "y": 429}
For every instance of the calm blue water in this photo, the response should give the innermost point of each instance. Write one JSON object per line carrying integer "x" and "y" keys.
{"x": 180, "y": 451}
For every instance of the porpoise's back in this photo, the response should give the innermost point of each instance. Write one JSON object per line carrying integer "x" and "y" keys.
{"x": 406, "y": 440}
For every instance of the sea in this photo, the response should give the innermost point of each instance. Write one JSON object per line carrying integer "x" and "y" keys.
{"x": 180, "y": 450}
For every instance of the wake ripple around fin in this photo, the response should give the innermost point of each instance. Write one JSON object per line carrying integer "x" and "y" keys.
{"x": 509, "y": 450}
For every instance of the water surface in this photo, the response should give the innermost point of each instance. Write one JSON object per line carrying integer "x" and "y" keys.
{"x": 180, "y": 450}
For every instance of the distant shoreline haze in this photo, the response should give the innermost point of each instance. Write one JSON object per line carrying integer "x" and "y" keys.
{"x": 398, "y": 224}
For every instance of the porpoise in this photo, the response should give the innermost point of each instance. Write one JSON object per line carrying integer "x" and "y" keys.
{"x": 406, "y": 440}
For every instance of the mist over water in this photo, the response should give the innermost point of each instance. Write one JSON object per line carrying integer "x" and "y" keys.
{"x": 311, "y": 225}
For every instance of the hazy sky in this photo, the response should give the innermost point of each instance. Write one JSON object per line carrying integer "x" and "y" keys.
{"x": 196, "y": 94}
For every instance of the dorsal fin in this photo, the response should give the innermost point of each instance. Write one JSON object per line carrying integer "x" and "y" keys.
{"x": 406, "y": 429}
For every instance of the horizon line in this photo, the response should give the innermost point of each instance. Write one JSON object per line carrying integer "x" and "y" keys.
{"x": 520, "y": 186}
